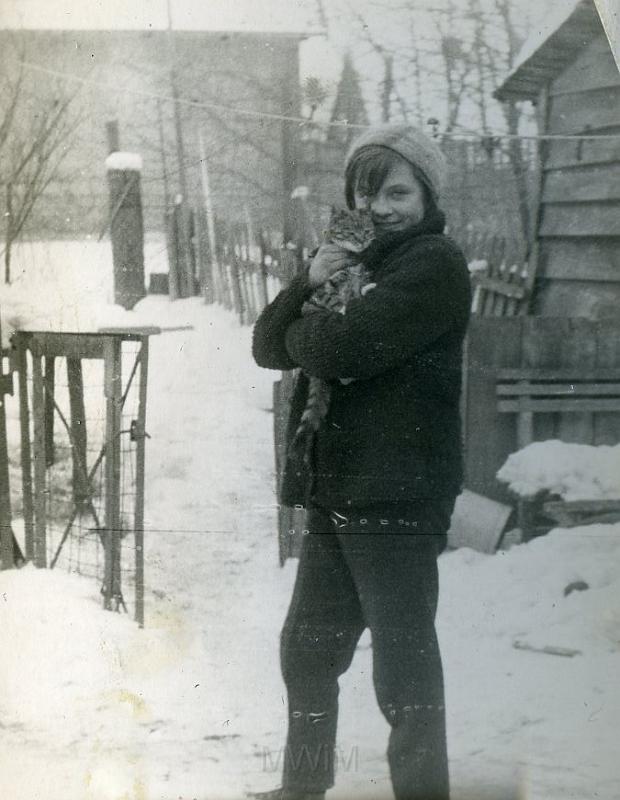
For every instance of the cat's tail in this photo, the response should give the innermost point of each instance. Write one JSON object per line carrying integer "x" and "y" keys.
{"x": 315, "y": 411}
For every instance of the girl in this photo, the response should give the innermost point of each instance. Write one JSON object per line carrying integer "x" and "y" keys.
{"x": 385, "y": 471}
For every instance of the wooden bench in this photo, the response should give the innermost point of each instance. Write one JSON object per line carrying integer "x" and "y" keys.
{"x": 529, "y": 391}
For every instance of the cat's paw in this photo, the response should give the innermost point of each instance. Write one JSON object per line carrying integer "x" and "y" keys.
{"x": 367, "y": 288}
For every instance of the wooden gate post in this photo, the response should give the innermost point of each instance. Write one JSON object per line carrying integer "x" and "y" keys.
{"x": 26, "y": 451}
{"x": 113, "y": 395}
{"x": 140, "y": 464}
{"x": 126, "y": 227}
{"x": 6, "y": 534}
{"x": 38, "y": 411}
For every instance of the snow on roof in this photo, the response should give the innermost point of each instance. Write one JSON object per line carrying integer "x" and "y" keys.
{"x": 568, "y": 26}
{"x": 248, "y": 16}
{"x": 123, "y": 161}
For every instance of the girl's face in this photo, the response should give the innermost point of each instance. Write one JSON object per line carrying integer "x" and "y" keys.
{"x": 398, "y": 204}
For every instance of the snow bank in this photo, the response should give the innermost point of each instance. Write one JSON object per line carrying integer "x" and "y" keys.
{"x": 572, "y": 471}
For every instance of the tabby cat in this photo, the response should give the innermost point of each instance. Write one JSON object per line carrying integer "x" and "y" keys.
{"x": 353, "y": 231}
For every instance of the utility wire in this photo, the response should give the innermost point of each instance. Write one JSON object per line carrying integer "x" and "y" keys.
{"x": 301, "y": 120}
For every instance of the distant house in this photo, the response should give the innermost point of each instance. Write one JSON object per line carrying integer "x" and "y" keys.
{"x": 571, "y": 75}
{"x": 126, "y": 76}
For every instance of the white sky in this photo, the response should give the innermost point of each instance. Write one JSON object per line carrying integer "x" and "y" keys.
{"x": 257, "y": 15}
{"x": 318, "y": 57}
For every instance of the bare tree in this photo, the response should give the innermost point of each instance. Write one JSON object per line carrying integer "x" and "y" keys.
{"x": 445, "y": 58}
{"x": 35, "y": 136}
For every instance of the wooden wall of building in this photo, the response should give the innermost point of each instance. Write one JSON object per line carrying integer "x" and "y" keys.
{"x": 579, "y": 233}
{"x": 548, "y": 343}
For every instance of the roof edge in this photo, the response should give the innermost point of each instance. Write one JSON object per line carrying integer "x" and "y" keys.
{"x": 575, "y": 26}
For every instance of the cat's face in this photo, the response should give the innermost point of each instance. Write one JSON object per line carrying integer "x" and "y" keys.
{"x": 351, "y": 230}
{"x": 398, "y": 205}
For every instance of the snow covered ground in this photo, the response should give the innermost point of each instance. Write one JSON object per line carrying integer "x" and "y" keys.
{"x": 192, "y": 706}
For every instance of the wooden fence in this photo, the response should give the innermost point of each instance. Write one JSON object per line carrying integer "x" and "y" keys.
{"x": 244, "y": 277}
{"x": 546, "y": 342}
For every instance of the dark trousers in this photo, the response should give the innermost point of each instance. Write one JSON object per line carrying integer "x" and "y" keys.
{"x": 386, "y": 580}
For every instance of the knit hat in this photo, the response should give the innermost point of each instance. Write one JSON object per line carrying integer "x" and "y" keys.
{"x": 413, "y": 145}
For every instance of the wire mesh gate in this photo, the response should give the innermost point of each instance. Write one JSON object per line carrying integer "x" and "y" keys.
{"x": 83, "y": 456}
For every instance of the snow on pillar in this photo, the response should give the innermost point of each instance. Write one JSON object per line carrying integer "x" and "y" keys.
{"x": 126, "y": 227}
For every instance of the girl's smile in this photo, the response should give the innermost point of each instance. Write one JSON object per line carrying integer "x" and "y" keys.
{"x": 399, "y": 204}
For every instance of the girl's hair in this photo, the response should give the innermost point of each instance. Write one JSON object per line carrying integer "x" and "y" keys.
{"x": 369, "y": 167}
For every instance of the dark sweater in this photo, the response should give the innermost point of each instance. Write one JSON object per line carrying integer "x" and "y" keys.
{"x": 393, "y": 436}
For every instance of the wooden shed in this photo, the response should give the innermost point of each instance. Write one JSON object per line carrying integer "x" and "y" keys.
{"x": 570, "y": 74}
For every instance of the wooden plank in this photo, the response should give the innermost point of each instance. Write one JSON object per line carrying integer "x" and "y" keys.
{"x": 492, "y": 344}
{"x": 579, "y": 352}
{"x": 594, "y": 67}
{"x": 50, "y": 382}
{"x": 7, "y": 560}
{"x": 558, "y": 389}
{"x": 592, "y": 299}
{"x": 40, "y": 494}
{"x": 567, "y": 154}
{"x": 113, "y": 392}
{"x": 75, "y": 382}
{"x": 583, "y": 506}
{"x": 567, "y": 374}
{"x": 136, "y": 332}
{"x": 607, "y": 425}
{"x": 78, "y": 345}
{"x": 542, "y": 343}
{"x": 580, "y": 219}
{"x": 592, "y": 110}
{"x": 585, "y": 184}
{"x": 140, "y": 473}
{"x": 580, "y": 259}
{"x": 25, "y": 450}
{"x": 500, "y": 286}
{"x": 565, "y": 405}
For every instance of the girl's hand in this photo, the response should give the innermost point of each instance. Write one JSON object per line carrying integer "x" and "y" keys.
{"x": 329, "y": 259}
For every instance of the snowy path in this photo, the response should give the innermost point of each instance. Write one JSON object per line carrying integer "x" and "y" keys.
{"x": 192, "y": 707}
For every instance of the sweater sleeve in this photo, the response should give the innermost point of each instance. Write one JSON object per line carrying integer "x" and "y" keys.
{"x": 425, "y": 296}
{"x": 268, "y": 346}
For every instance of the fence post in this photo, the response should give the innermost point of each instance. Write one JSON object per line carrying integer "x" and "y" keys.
{"x": 237, "y": 295}
{"x": 208, "y": 229}
{"x": 205, "y": 258}
{"x": 126, "y": 227}
{"x": 26, "y": 453}
{"x": 6, "y": 534}
{"x": 173, "y": 258}
{"x": 262, "y": 273}
{"x": 140, "y": 463}
{"x": 38, "y": 411}
{"x": 113, "y": 391}
{"x": 75, "y": 381}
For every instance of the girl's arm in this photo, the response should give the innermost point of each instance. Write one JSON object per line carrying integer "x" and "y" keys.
{"x": 426, "y": 296}
{"x": 268, "y": 345}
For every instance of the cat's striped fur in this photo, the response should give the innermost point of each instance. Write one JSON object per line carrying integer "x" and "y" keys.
{"x": 354, "y": 232}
